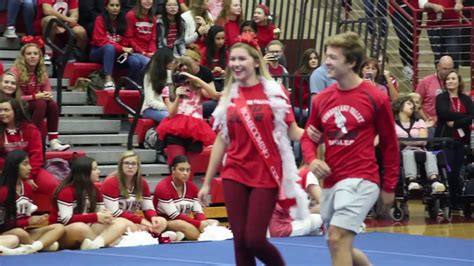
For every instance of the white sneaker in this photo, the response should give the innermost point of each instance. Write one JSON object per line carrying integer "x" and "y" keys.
{"x": 170, "y": 234}
{"x": 47, "y": 59}
{"x": 10, "y": 33}
{"x": 413, "y": 186}
{"x": 56, "y": 145}
{"x": 437, "y": 187}
{"x": 407, "y": 72}
{"x": 109, "y": 86}
{"x": 52, "y": 247}
{"x": 179, "y": 236}
{"x": 89, "y": 244}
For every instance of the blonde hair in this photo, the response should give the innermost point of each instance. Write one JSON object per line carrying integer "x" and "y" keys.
{"x": 17, "y": 94}
{"x": 256, "y": 54}
{"x": 197, "y": 10}
{"x": 352, "y": 46}
{"x": 225, "y": 13}
{"x": 137, "y": 178}
{"x": 20, "y": 63}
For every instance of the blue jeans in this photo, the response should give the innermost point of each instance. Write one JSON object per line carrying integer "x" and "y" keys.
{"x": 137, "y": 64}
{"x": 104, "y": 55}
{"x": 29, "y": 9}
{"x": 154, "y": 114}
{"x": 446, "y": 42}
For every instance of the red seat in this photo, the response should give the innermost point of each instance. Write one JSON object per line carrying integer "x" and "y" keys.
{"x": 66, "y": 155}
{"x": 106, "y": 100}
{"x": 75, "y": 70}
{"x": 143, "y": 124}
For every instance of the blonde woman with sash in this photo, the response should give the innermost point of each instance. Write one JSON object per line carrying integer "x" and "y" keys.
{"x": 255, "y": 123}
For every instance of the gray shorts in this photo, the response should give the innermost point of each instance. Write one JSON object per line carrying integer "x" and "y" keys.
{"x": 347, "y": 203}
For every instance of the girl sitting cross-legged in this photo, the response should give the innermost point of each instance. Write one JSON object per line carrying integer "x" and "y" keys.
{"x": 18, "y": 208}
{"x": 80, "y": 204}
{"x": 176, "y": 198}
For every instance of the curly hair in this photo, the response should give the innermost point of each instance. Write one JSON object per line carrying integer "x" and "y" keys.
{"x": 20, "y": 64}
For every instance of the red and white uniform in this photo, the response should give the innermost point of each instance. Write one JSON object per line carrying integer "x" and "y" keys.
{"x": 281, "y": 222}
{"x": 127, "y": 208}
{"x": 30, "y": 89}
{"x": 100, "y": 36}
{"x": 24, "y": 205}
{"x": 140, "y": 33}
{"x": 175, "y": 207}
{"x": 244, "y": 164}
{"x": 67, "y": 207}
{"x": 350, "y": 120}
{"x": 61, "y": 6}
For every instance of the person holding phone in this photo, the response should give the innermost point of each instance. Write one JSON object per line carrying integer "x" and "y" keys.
{"x": 108, "y": 41}
{"x": 370, "y": 70}
{"x": 274, "y": 52}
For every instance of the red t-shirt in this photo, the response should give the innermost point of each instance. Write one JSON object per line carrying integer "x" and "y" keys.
{"x": 244, "y": 163}
{"x": 350, "y": 120}
{"x": 428, "y": 88}
{"x": 449, "y": 16}
{"x": 265, "y": 35}
{"x": 232, "y": 30}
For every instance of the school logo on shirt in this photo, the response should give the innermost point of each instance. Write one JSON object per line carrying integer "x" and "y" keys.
{"x": 342, "y": 116}
{"x": 144, "y": 27}
{"x": 62, "y": 7}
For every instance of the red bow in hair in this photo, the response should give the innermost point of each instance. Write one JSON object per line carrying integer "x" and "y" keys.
{"x": 38, "y": 40}
{"x": 248, "y": 38}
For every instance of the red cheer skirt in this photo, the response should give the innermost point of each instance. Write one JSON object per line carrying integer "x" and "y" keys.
{"x": 186, "y": 126}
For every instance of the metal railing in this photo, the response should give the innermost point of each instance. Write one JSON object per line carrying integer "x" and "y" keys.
{"x": 131, "y": 85}
{"x": 63, "y": 54}
{"x": 465, "y": 22}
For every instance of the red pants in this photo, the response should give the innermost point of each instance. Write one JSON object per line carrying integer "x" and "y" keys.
{"x": 249, "y": 210}
{"x": 41, "y": 109}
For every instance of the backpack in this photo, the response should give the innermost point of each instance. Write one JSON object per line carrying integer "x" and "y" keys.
{"x": 152, "y": 142}
{"x": 97, "y": 81}
{"x": 58, "y": 167}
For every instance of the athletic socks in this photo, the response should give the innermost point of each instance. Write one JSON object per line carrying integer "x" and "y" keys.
{"x": 97, "y": 243}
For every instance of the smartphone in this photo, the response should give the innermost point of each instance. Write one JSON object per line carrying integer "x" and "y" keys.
{"x": 122, "y": 58}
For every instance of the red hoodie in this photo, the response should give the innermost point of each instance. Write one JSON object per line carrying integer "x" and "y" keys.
{"x": 26, "y": 138}
{"x": 140, "y": 33}
{"x": 363, "y": 112}
{"x": 101, "y": 37}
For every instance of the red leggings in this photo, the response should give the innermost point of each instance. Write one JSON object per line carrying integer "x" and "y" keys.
{"x": 41, "y": 109}
{"x": 250, "y": 210}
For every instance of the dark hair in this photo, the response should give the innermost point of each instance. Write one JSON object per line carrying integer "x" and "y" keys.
{"x": 398, "y": 105}
{"x": 177, "y": 160}
{"x": 20, "y": 115}
{"x": 138, "y": 11}
{"x": 80, "y": 179}
{"x": 304, "y": 68}
{"x": 166, "y": 22}
{"x": 461, "y": 83}
{"x": 8, "y": 179}
{"x": 249, "y": 23}
{"x": 120, "y": 19}
{"x": 211, "y": 47}
{"x": 156, "y": 68}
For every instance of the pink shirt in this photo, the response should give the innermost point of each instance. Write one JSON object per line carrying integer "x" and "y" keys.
{"x": 428, "y": 88}
{"x": 191, "y": 105}
{"x": 414, "y": 133}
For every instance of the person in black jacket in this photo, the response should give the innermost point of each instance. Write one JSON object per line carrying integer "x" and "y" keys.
{"x": 88, "y": 11}
{"x": 455, "y": 113}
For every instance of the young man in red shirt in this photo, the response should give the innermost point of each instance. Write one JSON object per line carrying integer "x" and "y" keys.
{"x": 350, "y": 114}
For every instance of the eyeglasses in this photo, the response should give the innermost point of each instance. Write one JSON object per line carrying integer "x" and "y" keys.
{"x": 130, "y": 163}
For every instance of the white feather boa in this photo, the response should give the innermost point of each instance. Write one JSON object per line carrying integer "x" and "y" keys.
{"x": 279, "y": 106}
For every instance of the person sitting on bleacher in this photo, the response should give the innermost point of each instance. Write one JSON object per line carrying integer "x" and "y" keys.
{"x": 176, "y": 198}
{"x": 170, "y": 28}
{"x": 36, "y": 90}
{"x": 273, "y": 53}
{"x": 141, "y": 35}
{"x": 108, "y": 44}
{"x": 214, "y": 54}
{"x": 28, "y": 7}
{"x": 230, "y": 18}
{"x": 157, "y": 76}
{"x": 18, "y": 133}
{"x": 66, "y": 11}
{"x": 185, "y": 128}
{"x": 408, "y": 125}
